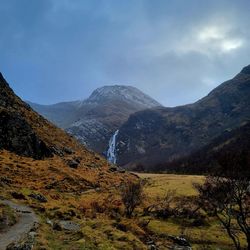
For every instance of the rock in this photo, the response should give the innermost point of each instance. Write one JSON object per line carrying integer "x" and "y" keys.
{"x": 38, "y": 197}
{"x": 32, "y": 234}
{"x": 113, "y": 168}
{"x": 122, "y": 227}
{"x": 49, "y": 222}
{"x": 177, "y": 247}
{"x": 121, "y": 170}
{"x": 16, "y": 135}
{"x": 17, "y": 246}
{"x": 151, "y": 245}
{"x": 67, "y": 226}
{"x": 180, "y": 243}
{"x": 68, "y": 150}
{"x": 72, "y": 163}
{"x": 18, "y": 196}
{"x": 77, "y": 159}
{"x": 57, "y": 151}
{"x": 5, "y": 180}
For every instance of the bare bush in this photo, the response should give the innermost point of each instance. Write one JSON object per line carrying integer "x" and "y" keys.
{"x": 228, "y": 198}
{"x": 163, "y": 207}
{"x": 173, "y": 206}
{"x": 132, "y": 195}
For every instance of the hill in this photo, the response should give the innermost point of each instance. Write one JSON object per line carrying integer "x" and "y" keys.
{"x": 46, "y": 175}
{"x": 229, "y": 152}
{"x": 161, "y": 135}
{"x": 46, "y": 168}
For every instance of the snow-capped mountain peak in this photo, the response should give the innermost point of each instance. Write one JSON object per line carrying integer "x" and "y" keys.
{"x": 123, "y": 93}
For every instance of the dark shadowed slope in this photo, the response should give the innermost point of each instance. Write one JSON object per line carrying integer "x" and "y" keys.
{"x": 228, "y": 152}
{"x": 162, "y": 135}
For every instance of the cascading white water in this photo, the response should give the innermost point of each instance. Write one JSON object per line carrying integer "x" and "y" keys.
{"x": 111, "y": 154}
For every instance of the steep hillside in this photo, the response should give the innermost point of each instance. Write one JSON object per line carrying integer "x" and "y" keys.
{"x": 24, "y": 133}
{"x": 45, "y": 174}
{"x": 228, "y": 152}
{"x": 94, "y": 120}
{"x": 73, "y": 192}
{"x": 162, "y": 135}
{"x": 63, "y": 182}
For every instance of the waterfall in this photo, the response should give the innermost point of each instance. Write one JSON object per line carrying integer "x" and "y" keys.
{"x": 111, "y": 150}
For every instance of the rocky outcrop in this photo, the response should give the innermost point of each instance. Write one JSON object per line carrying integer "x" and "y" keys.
{"x": 67, "y": 226}
{"x": 16, "y": 135}
{"x": 38, "y": 197}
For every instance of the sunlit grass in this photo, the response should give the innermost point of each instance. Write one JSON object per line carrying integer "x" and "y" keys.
{"x": 158, "y": 184}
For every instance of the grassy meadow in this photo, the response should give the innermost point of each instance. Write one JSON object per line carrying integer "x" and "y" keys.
{"x": 159, "y": 184}
{"x": 100, "y": 214}
{"x": 209, "y": 236}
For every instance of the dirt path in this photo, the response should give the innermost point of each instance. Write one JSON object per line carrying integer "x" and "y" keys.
{"x": 27, "y": 219}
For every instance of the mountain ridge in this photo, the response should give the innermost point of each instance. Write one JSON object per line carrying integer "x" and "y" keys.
{"x": 229, "y": 152}
{"x": 93, "y": 120}
{"x": 164, "y": 134}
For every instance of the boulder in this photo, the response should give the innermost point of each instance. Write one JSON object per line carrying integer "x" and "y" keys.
{"x": 68, "y": 150}
{"x": 72, "y": 163}
{"x": 18, "y": 196}
{"x": 38, "y": 197}
{"x": 180, "y": 243}
{"x": 67, "y": 226}
{"x": 113, "y": 168}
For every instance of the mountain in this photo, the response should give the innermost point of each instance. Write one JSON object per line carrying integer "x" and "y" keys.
{"x": 36, "y": 154}
{"x": 228, "y": 152}
{"x": 61, "y": 114}
{"x": 72, "y": 192}
{"x": 162, "y": 135}
{"x": 93, "y": 121}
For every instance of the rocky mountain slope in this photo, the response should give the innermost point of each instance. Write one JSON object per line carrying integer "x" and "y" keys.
{"x": 25, "y": 136}
{"x": 228, "y": 152}
{"x": 94, "y": 120}
{"x": 161, "y": 135}
{"x": 49, "y": 171}
{"x": 75, "y": 193}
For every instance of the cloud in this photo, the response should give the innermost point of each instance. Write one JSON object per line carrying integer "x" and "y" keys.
{"x": 176, "y": 51}
{"x": 219, "y": 36}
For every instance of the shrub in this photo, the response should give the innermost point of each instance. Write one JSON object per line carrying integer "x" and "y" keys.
{"x": 132, "y": 195}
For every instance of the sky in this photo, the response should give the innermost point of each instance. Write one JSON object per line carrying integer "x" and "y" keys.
{"x": 173, "y": 50}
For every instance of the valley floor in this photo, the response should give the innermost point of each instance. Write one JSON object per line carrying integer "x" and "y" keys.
{"x": 102, "y": 224}
{"x": 210, "y": 235}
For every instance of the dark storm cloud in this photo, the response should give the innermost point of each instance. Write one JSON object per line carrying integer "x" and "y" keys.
{"x": 175, "y": 50}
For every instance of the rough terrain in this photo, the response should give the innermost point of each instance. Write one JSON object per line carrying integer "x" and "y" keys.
{"x": 27, "y": 219}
